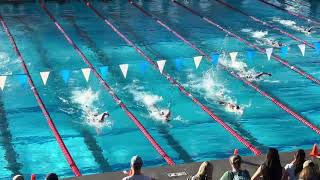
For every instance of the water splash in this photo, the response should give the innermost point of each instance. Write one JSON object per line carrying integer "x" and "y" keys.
{"x": 87, "y": 99}
{"x": 213, "y": 90}
{"x": 148, "y": 100}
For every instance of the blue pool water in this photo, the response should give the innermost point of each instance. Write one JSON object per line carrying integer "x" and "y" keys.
{"x": 28, "y": 146}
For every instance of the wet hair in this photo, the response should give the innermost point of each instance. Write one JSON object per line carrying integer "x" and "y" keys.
{"x": 237, "y": 107}
{"x": 272, "y": 169}
{"x": 300, "y": 158}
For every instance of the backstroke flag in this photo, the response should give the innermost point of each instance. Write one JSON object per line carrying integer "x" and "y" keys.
{"x": 2, "y": 81}
{"x": 197, "y": 61}
{"x": 161, "y": 64}
{"x": 124, "y": 69}
{"x": 269, "y": 52}
{"x": 86, "y": 73}
{"x": 44, "y": 76}
{"x": 302, "y": 48}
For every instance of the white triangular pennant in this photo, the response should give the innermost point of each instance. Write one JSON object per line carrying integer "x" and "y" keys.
{"x": 2, "y": 81}
{"x": 302, "y": 48}
{"x": 197, "y": 61}
{"x": 269, "y": 52}
{"x": 44, "y": 76}
{"x": 124, "y": 69}
{"x": 161, "y": 64}
{"x": 233, "y": 56}
{"x": 86, "y": 73}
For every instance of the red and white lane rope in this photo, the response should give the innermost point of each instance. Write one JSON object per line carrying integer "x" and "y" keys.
{"x": 275, "y": 57}
{"x": 250, "y": 84}
{"x": 108, "y": 88}
{"x": 292, "y": 13}
{"x": 177, "y": 84}
{"x": 43, "y": 108}
{"x": 265, "y": 23}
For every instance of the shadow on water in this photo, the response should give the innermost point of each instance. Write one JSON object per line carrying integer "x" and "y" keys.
{"x": 89, "y": 139}
{"x": 6, "y": 141}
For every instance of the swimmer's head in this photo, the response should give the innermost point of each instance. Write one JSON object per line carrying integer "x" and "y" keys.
{"x": 238, "y": 107}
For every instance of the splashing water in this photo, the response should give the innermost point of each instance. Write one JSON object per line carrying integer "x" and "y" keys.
{"x": 148, "y": 100}
{"x": 291, "y": 24}
{"x": 213, "y": 90}
{"x": 86, "y": 99}
{"x": 259, "y": 34}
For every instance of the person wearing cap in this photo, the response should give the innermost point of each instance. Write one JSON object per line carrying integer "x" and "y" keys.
{"x": 236, "y": 172}
{"x": 309, "y": 171}
{"x": 18, "y": 177}
{"x": 135, "y": 171}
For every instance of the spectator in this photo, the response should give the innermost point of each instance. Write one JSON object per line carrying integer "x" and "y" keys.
{"x": 52, "y": 176}
{"x": 236, "y": 172}
{"x": 293, "y": 169}
{"x": 204, "y": 172}
{"x": 135, "y": 171}
{"x": 18, "y": 177}
{"x": 309, "y": 171}
{"x": 271, "y": 169}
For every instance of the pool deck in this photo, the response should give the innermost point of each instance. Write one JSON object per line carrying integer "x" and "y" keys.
{"x": 251, "y": 163}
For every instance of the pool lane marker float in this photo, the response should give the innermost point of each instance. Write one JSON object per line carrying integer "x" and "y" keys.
{"x": 43, "y": 108}
{"x": 291, "y": 13}
{"x": 233, "y": 55}
{"x": 108, "y": 88}
{"x": 265, "y": 23}
{"x": 177, "y": 84}
{"x": 275, "y": 57}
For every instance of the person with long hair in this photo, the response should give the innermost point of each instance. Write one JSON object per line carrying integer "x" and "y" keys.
{"x": 271, "y": 169}
{"x": 293, "y": 169}
{"x": 204, "y": 172}
{"x": 309, "y": 171}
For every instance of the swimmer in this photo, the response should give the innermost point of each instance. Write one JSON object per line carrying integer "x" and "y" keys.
{"x": 276, "y": 44}
{"x": 308, "y": 30}
{"x": 257, "y": 76}
{"x": 165, "y": 115}
{"x": 102, "y": 116}
{"x": 231, "y": 106}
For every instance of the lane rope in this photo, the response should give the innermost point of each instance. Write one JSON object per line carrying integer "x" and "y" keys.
{"x": 250, "y": 84}
{"x": 291, "y": 13}
{"x": 108, "y": 88}
{"x": 177, "y": 84}
{"x": 43, "y": 108}
{"x": 265, "y": 23}
{"x": 275, "y": 57}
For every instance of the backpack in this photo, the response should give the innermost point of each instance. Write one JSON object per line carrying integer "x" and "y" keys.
{"x": 240, "y": 175}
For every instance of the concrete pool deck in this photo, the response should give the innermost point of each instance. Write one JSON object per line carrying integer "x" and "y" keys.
{"x": 251, "y": 163}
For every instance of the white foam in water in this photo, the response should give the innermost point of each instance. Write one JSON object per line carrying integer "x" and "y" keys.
{"x": 212, "y": 90}
{"x": 86, "y": 98}
{"x": 291, "y": 24}
{"x": 259, "y": 34}
{"x": 149, "y": 101}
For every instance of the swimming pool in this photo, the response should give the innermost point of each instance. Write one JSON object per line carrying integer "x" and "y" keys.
{"x": 27, "y": 144}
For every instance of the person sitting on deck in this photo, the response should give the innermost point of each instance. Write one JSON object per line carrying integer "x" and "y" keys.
{"x": 271, "y": 169}
{"x": 293, "y": 169}
{"x": 236, "y": 172}
{"x": 204, "y": 172}
{"x": 135, "y": 171}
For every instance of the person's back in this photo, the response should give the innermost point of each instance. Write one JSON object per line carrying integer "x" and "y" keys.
{"x": 236, "y": 173}
{"x": 293, "y": 169}
{"x": 135, "y": 172}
